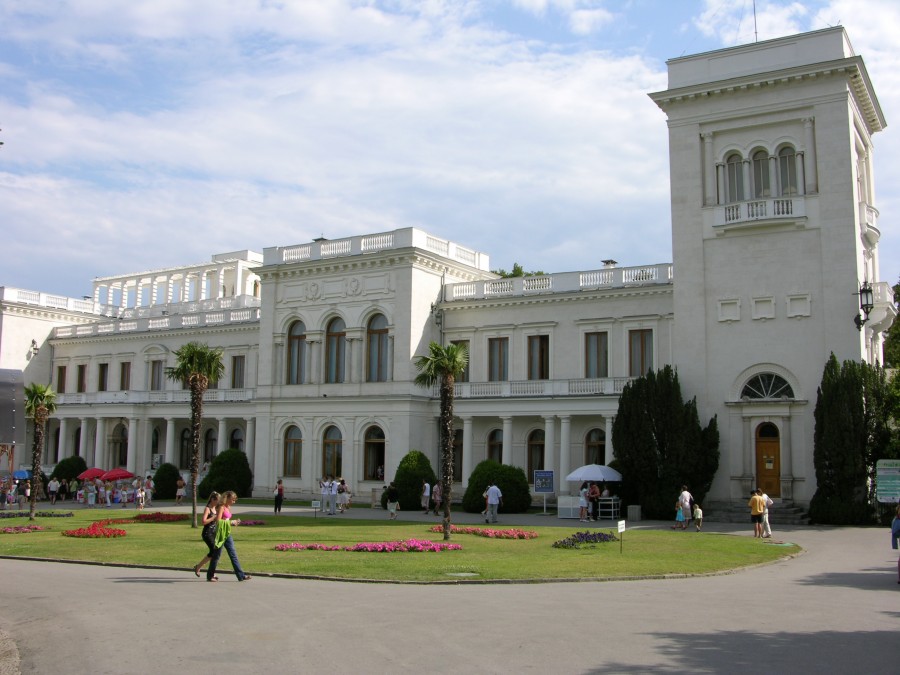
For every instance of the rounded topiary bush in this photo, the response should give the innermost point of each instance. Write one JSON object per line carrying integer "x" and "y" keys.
{"x": 510, "y": 479}
{"x": 164, "y": 481}
{"x": 69, "y": 468}
{"x": 229, "y": 470}
{"x": 413, "y": 469}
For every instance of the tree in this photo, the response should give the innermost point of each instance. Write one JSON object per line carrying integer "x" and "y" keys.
{"x": 230, "y": 470}
{"x": 196, "y": 364}
{"x": 660, "y": 444}
{"x": 40, "y": 403}
{"x": 412, "y": 471}
{"x": 517, "y": 271}
{"x": 444, "y": 365}
{"x": 891, "y": 355}
{"x": 852, "y": 432}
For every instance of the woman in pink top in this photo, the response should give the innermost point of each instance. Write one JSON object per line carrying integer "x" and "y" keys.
{"x": 224, "y": 540}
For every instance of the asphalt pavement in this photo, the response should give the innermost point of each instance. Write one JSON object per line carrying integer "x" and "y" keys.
{"x": 833, "y": 609}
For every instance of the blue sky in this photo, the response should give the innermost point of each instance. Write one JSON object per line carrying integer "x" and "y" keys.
{"x": 142, "y": 134}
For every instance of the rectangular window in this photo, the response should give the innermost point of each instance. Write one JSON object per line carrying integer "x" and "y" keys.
{"x": 237, "y": 372}
{"x": 81, "y": 384}
{"x": 125, "y": 376}
{"x": 596, "y": 355}
{"x": 464, "y": 376}
{"x": 538, "y": 357}
{"x": 102, "y": 377}
{"x": 60, "y": 379}
{"x": 498, "y": 359}
{"x": 640, "y": 352}
{"x": 156, "y": 376}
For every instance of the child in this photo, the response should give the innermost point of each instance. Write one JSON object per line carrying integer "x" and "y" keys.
{"x": 698, "y": 516}
{"x": 679, "y": 518}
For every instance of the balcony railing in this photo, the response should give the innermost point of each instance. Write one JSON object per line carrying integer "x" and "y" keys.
{"x": 164, "y": 396}
{"x": 383, "y": 241}
{"x": 759, "y": 210}
{"x": 611, "y": 277}
{"x": 608, "y": 386}
{"x": 47, "y": 300}
{"x": 159, "y": 323}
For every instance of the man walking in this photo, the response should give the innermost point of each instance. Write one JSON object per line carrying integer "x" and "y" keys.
{"x": 494, "y": 500}
{"x": 426, "y": 495}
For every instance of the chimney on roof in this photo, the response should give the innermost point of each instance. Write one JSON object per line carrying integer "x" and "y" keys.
{"x": 610, "y": 263}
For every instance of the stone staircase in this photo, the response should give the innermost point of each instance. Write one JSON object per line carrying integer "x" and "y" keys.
{"x": 782, "y": 513}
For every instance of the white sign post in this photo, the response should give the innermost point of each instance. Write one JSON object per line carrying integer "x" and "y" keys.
{"x": 316, "y": 505}
{"x": 621, "y": 534}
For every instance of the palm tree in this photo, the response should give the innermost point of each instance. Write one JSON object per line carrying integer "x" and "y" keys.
{"x": 40, "y": 403}
{"x": 196, "y": 364}
{"x": 444, "y": 365}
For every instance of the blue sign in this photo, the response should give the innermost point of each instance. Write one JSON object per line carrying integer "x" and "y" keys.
{"x": 543, "y": 482}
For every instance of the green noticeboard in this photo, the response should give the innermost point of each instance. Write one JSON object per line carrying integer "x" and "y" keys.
{"x": 887, "y": 480}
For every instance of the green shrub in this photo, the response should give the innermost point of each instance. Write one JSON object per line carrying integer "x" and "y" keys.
{"x": 510, "y": 479}
{"x": 229, "y": 470}
{"x": 69, "y": 468}
{"x": 413, "y": 469}
{"x": 164, "y": 481}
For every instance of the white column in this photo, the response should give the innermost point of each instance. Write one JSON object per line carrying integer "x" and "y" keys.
{"x": 170, "y": 287}
{"x": 720, "y": 182}
{"x": 812, "y": 173}
{"x": 467, "y": 451}
{"x": 390, "y": 358}
{"x": 801, "y": 176}
{"x": 100, "y": 458}
{"x": 220, "y": 283}
{"x": 565, "y": 431}
{"x": 748, "y": 167}
{"x": 170, "y": 441}
{"x": 608, "y": 447}
{"x": 131, "y": 458}
{"x": 250, "y": 440}
{"x": 506, "y": 453}
{"x": 83, "y": 442}
{"x": 709, "y": 170}
{"x": 63, "y": 438}
{"x": 549, "y": 447}
{"x": 221, "y": 441}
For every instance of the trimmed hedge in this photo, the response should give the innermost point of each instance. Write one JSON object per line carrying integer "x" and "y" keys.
{"x": 229, "y": 470}
{"x": 510, "y": 479}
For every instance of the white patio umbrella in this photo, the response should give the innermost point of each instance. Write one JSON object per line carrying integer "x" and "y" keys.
{"x": 599, "y": 472}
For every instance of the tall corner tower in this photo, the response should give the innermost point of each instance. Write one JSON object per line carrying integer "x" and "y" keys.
{"x": 774, "y": 232}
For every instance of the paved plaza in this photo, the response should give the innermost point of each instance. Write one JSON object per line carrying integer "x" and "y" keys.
{"x": 833, "y": 609}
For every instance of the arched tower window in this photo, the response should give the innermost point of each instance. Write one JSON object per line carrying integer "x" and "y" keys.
{"x": 374, "y": 454}
{"x": 335, "y": 342}
{"x": 293, "y": 451}
{"x": 535, "y": 453}
{"x": 377, "y": 349}
{"x": 332, "y": 452}
{"x": 787, "y": 170}
{"x": 767, "y": 386}
{"x": 296, "y": 353}
{"x": 762, "y": 187}
{"x": 734, "y": 177}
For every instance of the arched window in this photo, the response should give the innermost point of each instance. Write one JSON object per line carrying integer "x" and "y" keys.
{"x": 293, "y": 451}
{"x": 335, "y": 341}
{"x": 374, "y": 454}
{"x": 535, "y": 453}
{"x": 184, "y": 451}
{"x": 296, "y": 353}
{"x": 595, "y": 447}
{"x": 377, "y": 349}
{"x": 734, "y": 178}
{"x": 209, "y": 445}
{"x": 332, "y": 452}
{"x": 236, "y": 439}
{"x": 495, "y": 446}
{"x": 762, "y": 187}
{"x": 767, "y": 430}
{"x": 787, "y": 170}
{"x": 767, "y": 385}
{"x": 457, "y": 455}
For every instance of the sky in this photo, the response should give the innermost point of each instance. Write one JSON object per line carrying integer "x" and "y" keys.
{"x": 145, "y": 134}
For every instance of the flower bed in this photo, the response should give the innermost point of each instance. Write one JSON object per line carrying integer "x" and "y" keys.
{"x": 404, "y": 546}
{"x": 38, "y": 514}
{"x": 586, "y": 538}
{"x": 158, "y": 517}
{"x": 252, "y": 523}
{"x": 488, "y": 532}
{"x": 96, "y": 530}
{"x": 23, "y": 529}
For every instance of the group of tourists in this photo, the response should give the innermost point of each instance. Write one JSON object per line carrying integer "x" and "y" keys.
{"x": 336, "y": 495}
{"x": 14, "y": 492}
{"x": 589, "y": 495}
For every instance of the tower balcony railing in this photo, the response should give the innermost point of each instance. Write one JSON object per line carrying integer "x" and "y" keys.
{"x": 774, "y": 209}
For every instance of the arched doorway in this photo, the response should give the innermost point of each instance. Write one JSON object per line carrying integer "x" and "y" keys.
{"x": 768, "y": 459}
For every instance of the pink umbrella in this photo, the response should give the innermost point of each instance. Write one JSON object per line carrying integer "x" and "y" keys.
{"x": 90, "y": 474}
{"x": 117, "y": 474}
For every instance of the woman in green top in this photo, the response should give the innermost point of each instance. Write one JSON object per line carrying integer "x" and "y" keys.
{"x": 224, "y": 524}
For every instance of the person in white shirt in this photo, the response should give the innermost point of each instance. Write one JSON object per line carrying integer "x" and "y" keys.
{"x": 494, "y": 500}
{"x": 53, "y": 488}
{"x": 148, "y": 491}
{"x": 685, "y": 499}
{"x": 426, "y": 495}
{"x": 767, "y": 529}
{"x": 332, "y": 496}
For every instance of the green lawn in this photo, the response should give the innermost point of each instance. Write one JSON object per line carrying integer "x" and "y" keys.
{"x": 644, "y": 552}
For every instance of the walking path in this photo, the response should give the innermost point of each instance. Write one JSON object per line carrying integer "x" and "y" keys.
{"x": 834, "y": 609}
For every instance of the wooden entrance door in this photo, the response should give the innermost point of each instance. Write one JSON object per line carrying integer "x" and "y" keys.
{"x": 768, "y": 459}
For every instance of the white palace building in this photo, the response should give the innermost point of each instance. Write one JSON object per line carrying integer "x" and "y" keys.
{"x": 774, "y": 232}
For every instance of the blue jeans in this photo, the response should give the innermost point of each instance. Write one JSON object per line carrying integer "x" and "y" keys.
{"x": 229, "y": 547}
